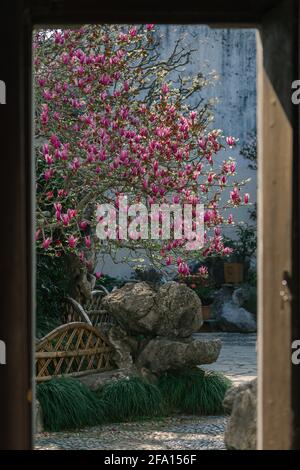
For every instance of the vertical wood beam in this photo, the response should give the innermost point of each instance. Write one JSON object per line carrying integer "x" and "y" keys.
{"x": 16, "y": 228}
{"x": 277, "y": 126}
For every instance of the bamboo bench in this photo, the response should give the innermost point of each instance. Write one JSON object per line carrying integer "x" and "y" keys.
{"x": 92, "y": 313}
{"x": 73, "y": 349}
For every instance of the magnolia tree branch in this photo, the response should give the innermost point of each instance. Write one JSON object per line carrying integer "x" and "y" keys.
{"x": 113, "y": 117}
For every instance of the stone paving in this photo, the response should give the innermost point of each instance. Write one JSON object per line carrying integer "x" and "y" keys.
{"x": 183, "y": 432}
{"x": 237, "y": 360}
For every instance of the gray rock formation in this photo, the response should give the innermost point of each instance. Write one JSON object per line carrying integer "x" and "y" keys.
{"x": 161, "y": 355}
{"x": 124, "y": 347}
{"x": 171, "y": 310}
{"x": 155, "y": 327}
{"x": 229, "y": 311}
{"x": 241, "y": 401}
{"x": 96, "y": 381}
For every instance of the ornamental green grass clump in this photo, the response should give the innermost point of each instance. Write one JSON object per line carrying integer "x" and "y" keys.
{"x": 131, "y": 399}
{"x": 69, "y": 404}
{"x": 194, "y": 391}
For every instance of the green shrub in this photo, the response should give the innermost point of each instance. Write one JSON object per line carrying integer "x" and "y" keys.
{"x": 131, "y": 398}
{"x": 69, "y": 404}
{"x": 45, "y": 324}
{"x": 147, "y": 274}
{"x": 52, "y": 285}
{"x": 251, "y": 303}
{"x": 194, "y": 391}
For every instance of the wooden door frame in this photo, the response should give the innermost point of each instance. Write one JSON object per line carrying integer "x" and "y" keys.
{"x": 278, "y": 152}
{"x": 278, "y": 410}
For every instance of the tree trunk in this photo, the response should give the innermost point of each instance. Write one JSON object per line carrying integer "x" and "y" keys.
{"x": 82, "y": 279}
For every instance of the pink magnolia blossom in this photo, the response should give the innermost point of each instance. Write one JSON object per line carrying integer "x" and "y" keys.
{"x": 37, "y": 234}
{"x": 207, "y": 216}
{"x": 183, "y": 269}
{"x": 64, "y": 217}
{"x": 230, "y": 219}
{"x": 45, "y": 149}
{"x": 55, "y": 141}
{"x": 155, "y": 165}
{"x": 235, "y": 196}
{"x": 88, "y": 242}
{"x": 72, "y": 241}
{"x": 48, "y": 174}
{"x": 105, "y": 79}
{"x": 169, "y": 260}
{"x": 46, "y": 243}
{"x": 165, "y": 89}
{"x": 49, "y": 159}
{"x": 47, "y": 95}
{"x": 75, "y": 165}
{"x": 57, "y": 206}
{"x": 72, "y": 213}
{"x": 203, "y": 271}
{"x": 230, "y": 141}
{"x": 83, "y": 224}
{"x": 210, "y": 178}
{"x": 202, "y": 143}
{"x": 227, "y": 251}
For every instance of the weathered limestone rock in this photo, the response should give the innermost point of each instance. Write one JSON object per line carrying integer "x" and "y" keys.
{"x": 241, "y": 401}
{"x": 96, "y": 381}
{"x": 237, "y": 319}
{"x": 241, "y": 295}
{"x": 171, "y": 310}
{"x": 180, "y": 312}
{"x": 132, "y": 306}
{"x": 124, "y": 347}
{"x": 155, "y": 327}
{"x": 162, "y": 354}
{"x": 229, "y": 312}
{"x": 39, "y": 421}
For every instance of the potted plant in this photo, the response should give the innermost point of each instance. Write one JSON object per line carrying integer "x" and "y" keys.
{"x": 205, "y": 293}
{"x": 204, "y": 288}
{"x": 235, "y": 270}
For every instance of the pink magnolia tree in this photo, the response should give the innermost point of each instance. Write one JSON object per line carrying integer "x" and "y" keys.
{"x": 109, "y": 120}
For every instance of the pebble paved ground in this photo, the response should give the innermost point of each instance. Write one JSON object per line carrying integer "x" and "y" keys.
{"x": 237, "y": 360}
